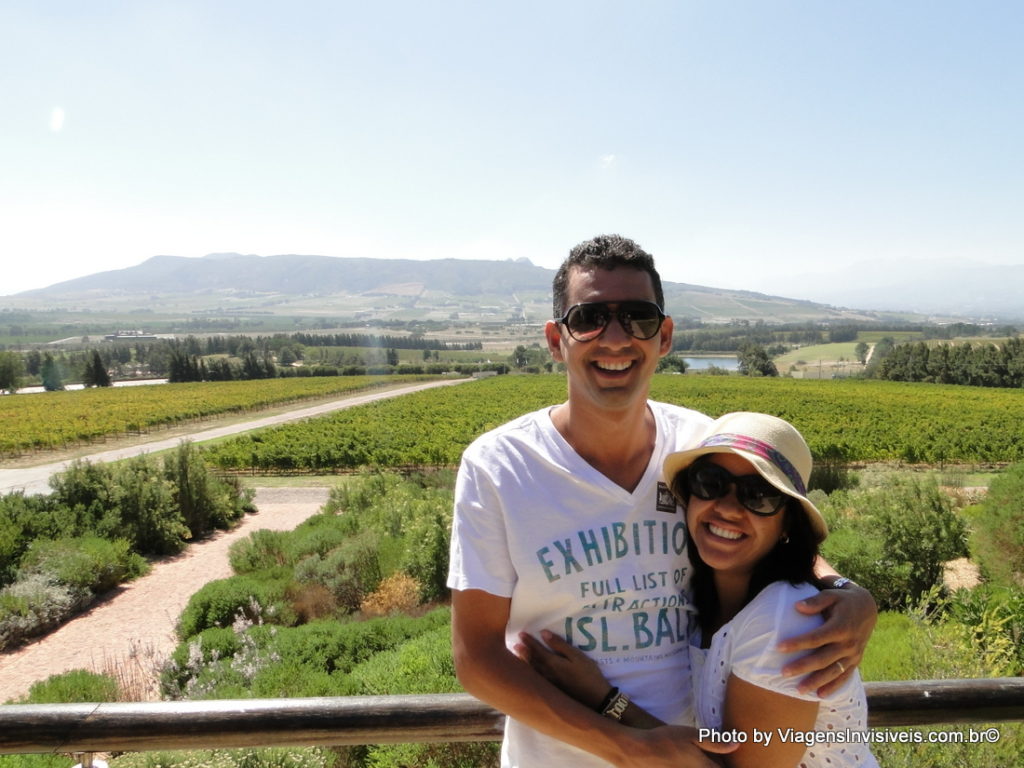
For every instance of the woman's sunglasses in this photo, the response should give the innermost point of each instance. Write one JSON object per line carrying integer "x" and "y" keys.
{"x": 586, "y": 322}
{"x": 709, "y": 481}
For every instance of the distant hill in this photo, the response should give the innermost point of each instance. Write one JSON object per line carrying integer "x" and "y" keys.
{"x": 299, "y": 275}
{"x": 380, "y": 288}
{"x": 958, "y": 288}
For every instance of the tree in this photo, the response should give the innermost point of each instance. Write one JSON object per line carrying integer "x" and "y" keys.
{"x": 861, "y": 351}
{"x": 49, "y": 371}
{"x": 671, "y": 364}
{"x": 95, "y": 373}
{"x": 12, "y": 368}
{"x": 755, "y": 361}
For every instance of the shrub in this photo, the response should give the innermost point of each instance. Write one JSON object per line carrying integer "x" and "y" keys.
{"x": 22, "y": 520}
{"x": 349, "y": 572}
{"x": 312, "y": 601}
{"x": 997, "y": 540}
{"x": 34, "y": 606}
{"x": 994, "y": 618}
{"x": 86, "y": 563}
{"x": 421, "y": 665}
{"x": 326, "y": 651}
{"x": 219, "y": 602}
{"x": 212, "y": 644}
{"x": 398, "y": 593}
{"x": 918, "y": 646}
{"x": 262, "y": 549}
{"x": 205, "y": 502}
{"x": 830, "y": 471}
{"x": 413, "y": 518}
{"x": 73, "y": 687}
{"x": 894, "y": 539}
{"x": 268, "y": 757}
{"x": 145, "y": 508}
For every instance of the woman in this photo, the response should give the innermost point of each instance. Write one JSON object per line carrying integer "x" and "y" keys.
{"x": 753, "y": 539}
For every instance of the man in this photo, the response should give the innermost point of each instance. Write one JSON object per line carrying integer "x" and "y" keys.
{"x": 562, "y": 523}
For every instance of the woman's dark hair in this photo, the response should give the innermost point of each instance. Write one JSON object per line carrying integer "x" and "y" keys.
{"x": 789, "y": 560}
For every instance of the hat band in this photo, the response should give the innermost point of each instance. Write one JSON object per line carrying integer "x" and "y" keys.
{"x": 762, "y": 449}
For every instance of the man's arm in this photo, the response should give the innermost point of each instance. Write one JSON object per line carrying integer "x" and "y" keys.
{"x": 838, "y": 645}
{"x": 490, "y": 672}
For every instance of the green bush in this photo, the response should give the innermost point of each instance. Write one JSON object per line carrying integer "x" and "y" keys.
{"x": 931, "y": 643}
{"x": 220, "y": 602}
{"x": 894, "y": 538}
{"x": 997, "y": 540}
{"x": 349, "y": 572}
{"x": 831, "y": 471}
{"x": 425, "y": 556}
{"x": 35, "y": 605}
{"x": 213, "y": 644}
{"x": 76, "y": 686}
{"x": 994, "y": 618}
{"x": 22, "y": 520}
{"x": 86, "y": 563}
{"x": 204, "y": 501}
{"x": 260, "y": 550}
{"x": 413, "y": 517}
{"x": 73, "y": 687}
{"x": 309, "y": 660}
{"x": 421, "y": 665}
{"x": 146, "y": 508}
{"x": 268, "y": 757}
{"x": 34, "y": 761}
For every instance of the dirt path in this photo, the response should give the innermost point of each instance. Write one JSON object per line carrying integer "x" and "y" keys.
{"x": 130, "y": 633}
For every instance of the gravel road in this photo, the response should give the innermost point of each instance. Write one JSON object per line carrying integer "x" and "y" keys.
{"x": 131, "y": 631}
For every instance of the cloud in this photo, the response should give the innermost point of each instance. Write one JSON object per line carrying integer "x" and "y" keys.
{"x": 56, "y": 119}
{"x": 607, "y": 161}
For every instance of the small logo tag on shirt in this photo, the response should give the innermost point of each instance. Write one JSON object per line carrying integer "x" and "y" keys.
{"x": 666, "y": 501}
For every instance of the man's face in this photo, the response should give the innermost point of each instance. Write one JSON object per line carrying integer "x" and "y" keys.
{"x": 614, "y": 370}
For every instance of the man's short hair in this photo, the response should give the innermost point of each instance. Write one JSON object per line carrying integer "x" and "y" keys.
{"x": 604, "y": 252}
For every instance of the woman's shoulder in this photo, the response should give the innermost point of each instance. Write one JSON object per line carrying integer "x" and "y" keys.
{"x": 774, "y": 606}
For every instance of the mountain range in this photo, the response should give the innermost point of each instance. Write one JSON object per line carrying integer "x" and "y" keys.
{"x": 501, "y": 290}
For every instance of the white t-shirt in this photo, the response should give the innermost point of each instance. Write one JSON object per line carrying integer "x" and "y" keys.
{"x": 745, "y": 647}
{"x": 583, "y": 557}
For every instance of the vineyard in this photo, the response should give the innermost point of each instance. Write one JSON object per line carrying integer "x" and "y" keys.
{"x": 858, "y": 420}
{"x": 59, "y": 419}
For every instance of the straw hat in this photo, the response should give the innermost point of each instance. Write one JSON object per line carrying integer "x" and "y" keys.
{"x": 777, "y": 451}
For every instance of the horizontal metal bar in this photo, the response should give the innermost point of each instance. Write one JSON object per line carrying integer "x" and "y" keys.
{"x": 117, "y": 727}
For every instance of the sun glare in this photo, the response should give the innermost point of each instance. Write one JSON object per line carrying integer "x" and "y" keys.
{"x": 56, "y": 119}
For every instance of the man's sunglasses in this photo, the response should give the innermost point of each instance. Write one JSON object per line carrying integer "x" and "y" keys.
{"x": 640, "y": 319}
{"x": 709, "y": 481}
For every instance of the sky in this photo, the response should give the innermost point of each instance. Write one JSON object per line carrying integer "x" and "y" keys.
{"x": 747, "y": 144}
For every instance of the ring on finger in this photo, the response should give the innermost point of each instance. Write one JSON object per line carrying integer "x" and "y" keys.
{"x": 842, "y": 669}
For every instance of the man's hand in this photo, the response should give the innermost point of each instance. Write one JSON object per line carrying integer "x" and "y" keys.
{"x": 566, "y": 666}
{"x": 838, "y": 645}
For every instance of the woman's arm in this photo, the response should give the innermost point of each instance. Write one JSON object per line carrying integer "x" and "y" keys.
{"x": 747, "y": 707}
{"x": 837, "y": 646}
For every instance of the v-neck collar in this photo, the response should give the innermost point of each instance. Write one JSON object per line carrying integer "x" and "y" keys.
{"x": 579, "y": 466}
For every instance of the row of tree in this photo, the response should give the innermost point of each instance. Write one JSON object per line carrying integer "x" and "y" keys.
{"x": 977, "y": 365}
{"x": 185, "y": 367}
{"x": 92, "y": 372}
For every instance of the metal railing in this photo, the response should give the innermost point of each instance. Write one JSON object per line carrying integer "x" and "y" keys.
{"x": 132, "y": 727}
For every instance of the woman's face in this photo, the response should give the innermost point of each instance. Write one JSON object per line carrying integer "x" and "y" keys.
{"x": 728, "y": 536}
